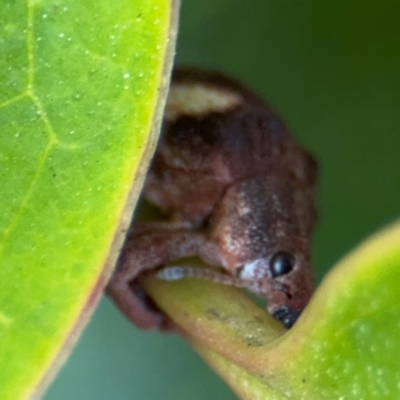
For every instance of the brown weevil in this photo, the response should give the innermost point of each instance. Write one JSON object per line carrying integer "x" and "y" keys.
{"x": 239, "y": 193}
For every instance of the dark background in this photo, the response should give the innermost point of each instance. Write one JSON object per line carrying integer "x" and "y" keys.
{"x": 332, "y": 69}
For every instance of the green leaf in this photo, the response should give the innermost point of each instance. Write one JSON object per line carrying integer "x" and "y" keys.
{"x": 344, "y": 346}
{"x": 347, "y": 343}
{"x": 80, "y": 92}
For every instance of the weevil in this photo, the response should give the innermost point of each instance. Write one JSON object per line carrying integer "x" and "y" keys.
{"x": 238, "y": 191}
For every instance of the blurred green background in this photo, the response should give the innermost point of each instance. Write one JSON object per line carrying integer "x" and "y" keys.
{"x": 332, "y": 69}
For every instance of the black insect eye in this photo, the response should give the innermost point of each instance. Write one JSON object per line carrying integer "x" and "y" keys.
{"x": 281, "y": 263}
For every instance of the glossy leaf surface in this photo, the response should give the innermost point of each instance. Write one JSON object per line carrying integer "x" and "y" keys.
{"x": 344, "y": 346}
{"x": 80, "y": 84}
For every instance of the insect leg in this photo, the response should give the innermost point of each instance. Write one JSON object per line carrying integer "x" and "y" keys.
{"x": 145, "y": 253}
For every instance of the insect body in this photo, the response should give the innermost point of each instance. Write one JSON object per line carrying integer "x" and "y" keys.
{"x": 239, "y": 192}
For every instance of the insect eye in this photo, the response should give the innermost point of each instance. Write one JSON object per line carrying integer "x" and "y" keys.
{"x": 281, "y": 263}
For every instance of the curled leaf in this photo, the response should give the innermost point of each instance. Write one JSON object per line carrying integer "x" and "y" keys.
{"x": 344, "y": 346}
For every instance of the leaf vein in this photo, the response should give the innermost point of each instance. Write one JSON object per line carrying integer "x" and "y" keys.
{"x": 51, "y": 135}
{"x": 13, "y": 99}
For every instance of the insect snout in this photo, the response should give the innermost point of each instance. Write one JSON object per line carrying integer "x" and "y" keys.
{"x": 287, "y": 316}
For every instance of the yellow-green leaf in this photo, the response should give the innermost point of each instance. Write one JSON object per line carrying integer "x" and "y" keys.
{"x": 344, "y": 346}
{"x": 80, "y": 85}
